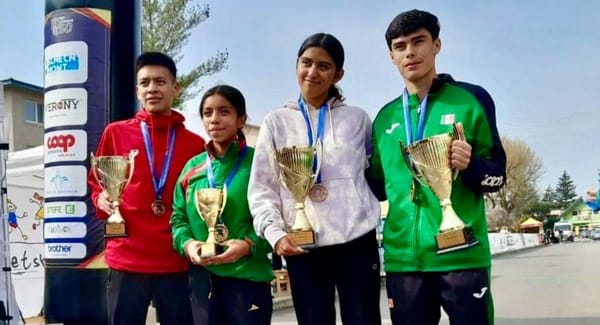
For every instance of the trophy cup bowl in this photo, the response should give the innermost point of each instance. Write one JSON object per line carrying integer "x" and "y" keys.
{"x": 113, "y": 173}
{"x": 297, "y": 177}
{"x": 431, "y": 167}
{"x": 210, "y": 203}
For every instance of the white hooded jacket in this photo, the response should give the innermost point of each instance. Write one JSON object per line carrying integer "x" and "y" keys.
{"x": 350, "y": 210}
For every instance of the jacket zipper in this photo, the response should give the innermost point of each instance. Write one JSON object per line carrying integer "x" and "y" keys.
{"x": 416, "y": 235}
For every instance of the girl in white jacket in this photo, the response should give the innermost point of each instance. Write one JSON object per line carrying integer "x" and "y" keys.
{"x": 346, "y": 255}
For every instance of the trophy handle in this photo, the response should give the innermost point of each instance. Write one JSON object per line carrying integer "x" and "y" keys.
{"x": 319, "y": 155}
{"x": 93, "y": 164}
{"x": 411, "y": 166}
{"x": 456, "y": 134}
{"x": 224, "y": 199}
{"x": 132, "y": 155}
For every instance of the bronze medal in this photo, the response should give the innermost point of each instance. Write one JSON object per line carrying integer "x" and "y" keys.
{"x": 159, "y": 208}
{"x": 318, "y": 193}
{"x": 221, "y": 233}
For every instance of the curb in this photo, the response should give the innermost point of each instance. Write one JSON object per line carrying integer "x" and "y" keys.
{"x": 281, "y": 302}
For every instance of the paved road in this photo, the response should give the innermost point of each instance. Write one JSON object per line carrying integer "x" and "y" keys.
{"x": 557, "y": 284}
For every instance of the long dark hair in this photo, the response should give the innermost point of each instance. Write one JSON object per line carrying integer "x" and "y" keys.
{"x": 334, "y": 48}
{"x": 233, "y": 96}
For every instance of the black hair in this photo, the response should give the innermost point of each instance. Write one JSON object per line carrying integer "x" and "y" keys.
{"x": 409, "y": 22}
{"x": 233, "y": 96}
{"x": 334, "y": 48}
{"x": 156, "y": 58}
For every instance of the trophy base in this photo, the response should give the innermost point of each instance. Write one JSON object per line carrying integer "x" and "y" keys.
{"x": 210, "y": 250}
{"x": 114, "y": 230}
{"x": 303, "y": 238}
{"x": 453, "y": 240}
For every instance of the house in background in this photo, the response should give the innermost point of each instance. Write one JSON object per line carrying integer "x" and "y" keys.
{"x": 23, "y": 114}
{"x": 581, "y": 215}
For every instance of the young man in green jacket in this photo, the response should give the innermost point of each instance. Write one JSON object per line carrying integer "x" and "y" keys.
{"x": 419, "y": 279}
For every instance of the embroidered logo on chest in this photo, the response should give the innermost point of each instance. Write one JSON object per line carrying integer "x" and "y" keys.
{"x": 447, "y": 119}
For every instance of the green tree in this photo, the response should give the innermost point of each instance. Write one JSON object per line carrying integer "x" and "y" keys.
{"x": 565, "y": 191}
{"x": 549, "y": 196}
{"x": 166, "y": 27}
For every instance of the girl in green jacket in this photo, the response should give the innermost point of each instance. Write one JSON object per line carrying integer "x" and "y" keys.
{"x": 232, "y": 287}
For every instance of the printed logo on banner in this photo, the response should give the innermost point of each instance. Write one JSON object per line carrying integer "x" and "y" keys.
{"x": 67, "y": 145}
{"x": 61, "y": 25}
{"x": 64, "y": 209}
{"x": 65, "y": 250}
{"x": 66, "y": 106}
{"x": 65, "y": 181}
{"x": 65, "y": 63}
{"x": 64, "y": 229}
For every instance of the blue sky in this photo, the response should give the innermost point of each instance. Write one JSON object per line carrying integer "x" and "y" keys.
{"x": 538, "y": 59}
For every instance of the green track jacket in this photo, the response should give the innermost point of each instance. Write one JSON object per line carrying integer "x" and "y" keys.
{"x": 186, "y": 223}
{"x": 411, "y": 224}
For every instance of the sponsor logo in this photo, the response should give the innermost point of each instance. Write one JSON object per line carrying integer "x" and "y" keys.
{"x": 64, "y": 229}
{"x": 65, "y": 181}
{"x": 62, "y": 142}
{"x": 58, "y": 229}
{"x": 65, "y": 250}
{"x": 65, "y": 106}
{"x": 65, "y": 145}
{"x": 492, "y": 180}
{"x": 62, "y": 104}
{"x": 59, "y": 248}
{"x": 61, "y": 25}
{"x": 63, "y": 63}
{"x": 64, "y": 209}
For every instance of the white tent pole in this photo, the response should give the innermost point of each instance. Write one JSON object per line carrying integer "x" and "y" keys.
{"x": 3, "y": 203}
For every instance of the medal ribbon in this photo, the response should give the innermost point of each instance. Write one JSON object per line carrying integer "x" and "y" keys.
{"x": 210, "y": 175}
{"x": 422, "y": 111}
{"x": 159, "y": 184}
{"x": 310, "y": 130}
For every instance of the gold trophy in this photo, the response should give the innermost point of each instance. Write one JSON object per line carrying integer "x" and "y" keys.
{"x": 113, "y": 173}
{"x": 210, "y": 203}
{"x": 297, "y": 176}
{"x": 431, "y": 167}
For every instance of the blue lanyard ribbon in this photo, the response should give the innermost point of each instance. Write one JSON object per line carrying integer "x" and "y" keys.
{"x": 159, "y": 184}
{"x": 210, "y": 175}
{"x": 310, "y": 130}
{"x": 422, "y": 111}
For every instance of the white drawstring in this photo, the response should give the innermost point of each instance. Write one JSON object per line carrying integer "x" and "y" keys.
{"x": 331, "y": 120}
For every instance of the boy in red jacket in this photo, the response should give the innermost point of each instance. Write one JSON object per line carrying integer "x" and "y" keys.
{"x": 143, "y": 265}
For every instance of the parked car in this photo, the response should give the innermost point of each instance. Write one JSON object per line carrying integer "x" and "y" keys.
{"x": 595, "y": 235}
{"x": 563, "y": 230}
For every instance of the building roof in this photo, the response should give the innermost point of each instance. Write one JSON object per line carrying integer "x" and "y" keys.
{"x": 10, "y": 82}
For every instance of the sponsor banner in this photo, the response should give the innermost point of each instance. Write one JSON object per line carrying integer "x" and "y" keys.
{"x": 62, "y": 209}
{"x": 501, "y": 243}
{"x": 62, "y": 181}
{"x": 76, "y": 109}
{"x": 64, "y": 229}
{"x": 65, "y": 106}
{"x": 65, "y": 250}
{"x": 67, "y": 145}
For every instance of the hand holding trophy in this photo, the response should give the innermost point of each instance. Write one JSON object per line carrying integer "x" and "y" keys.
{"x": 428, "y": 160}
{"x": 113, "y": 173}
{"x": 210, "y": 203}
{"x": 297, "y": 177}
